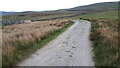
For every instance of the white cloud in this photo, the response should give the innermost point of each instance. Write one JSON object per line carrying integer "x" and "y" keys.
{"x": 38, "y": 5}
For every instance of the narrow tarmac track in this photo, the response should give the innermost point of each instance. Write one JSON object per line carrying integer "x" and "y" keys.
{"x": 71, "y": 48}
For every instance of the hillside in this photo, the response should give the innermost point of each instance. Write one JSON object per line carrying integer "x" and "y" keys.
{"x": 31, "y": 15}
{"x": 7, "y": 13}
{"x": 98, "y": 6}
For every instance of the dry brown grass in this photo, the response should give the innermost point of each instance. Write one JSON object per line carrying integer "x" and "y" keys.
{"x": 105, "y": 37}
{"x": 15, "y": 36}
{"x": 108, "y": 29}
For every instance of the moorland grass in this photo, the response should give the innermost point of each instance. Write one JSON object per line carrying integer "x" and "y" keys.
{"x": 25, "y": 49}
{"x": 104, "y": 35}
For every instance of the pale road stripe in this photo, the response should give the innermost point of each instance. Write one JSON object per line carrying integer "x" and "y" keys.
{"x": 71, "y": 48}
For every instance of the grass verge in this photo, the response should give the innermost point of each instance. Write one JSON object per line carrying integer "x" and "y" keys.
{"x": 104, "y": 45}
{"x": 23, "y": 52}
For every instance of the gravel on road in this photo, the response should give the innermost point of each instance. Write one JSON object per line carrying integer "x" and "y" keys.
{"x": 71, "y": 48}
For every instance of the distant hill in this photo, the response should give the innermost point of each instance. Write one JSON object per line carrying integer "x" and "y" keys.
{"x": 32, "y": 15}
{"x": 7, "y": 13}
{"x": 98, "y": 6}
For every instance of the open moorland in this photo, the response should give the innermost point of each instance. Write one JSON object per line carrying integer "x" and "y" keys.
{"x": 21, "y": 40}
{"x": 31, "y": 15}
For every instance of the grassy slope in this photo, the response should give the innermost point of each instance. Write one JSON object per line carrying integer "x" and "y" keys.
{"x": 98, "y": 6}
{"x": 104, "y": 35}
{"x": 25, "y": 51}
{"x": 38, "y": 15}
{"x": 63, "y": 12}
{"x": 31, "y": 16}
{"x": 110, "y": 15}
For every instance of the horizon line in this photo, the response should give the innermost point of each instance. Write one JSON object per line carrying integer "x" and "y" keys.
{"x": 57, "y": 9}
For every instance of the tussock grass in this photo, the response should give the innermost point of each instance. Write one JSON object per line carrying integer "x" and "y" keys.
{"x": 104, "y": 34}
{"x": 20, "y": 40}
{"x": 105, "y": 43}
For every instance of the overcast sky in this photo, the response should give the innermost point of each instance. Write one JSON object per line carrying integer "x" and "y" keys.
{"x": 43, "y": 5}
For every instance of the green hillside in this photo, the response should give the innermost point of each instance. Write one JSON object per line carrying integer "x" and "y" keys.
{"x": 99, "y": 6}
{"x": 31, "y": 15}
